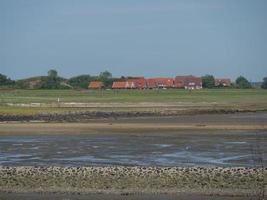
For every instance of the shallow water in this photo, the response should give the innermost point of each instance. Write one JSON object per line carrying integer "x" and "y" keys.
{"x": 184, "y": 149}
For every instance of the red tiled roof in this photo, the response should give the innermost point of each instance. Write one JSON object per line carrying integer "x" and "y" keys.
{"x": 130, "y": 84}
{"x": 96, "y": 85}
{"x": 119, "y": 85}
{"x": 165, "y": 82}
{"x": 137, "y": 83}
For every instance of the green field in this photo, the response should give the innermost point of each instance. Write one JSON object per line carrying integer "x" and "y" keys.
{"x": 207, "y": 95}
{"x": 250, "y": 99}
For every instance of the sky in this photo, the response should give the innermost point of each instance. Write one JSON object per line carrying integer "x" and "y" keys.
{"x": 151, "y": 38}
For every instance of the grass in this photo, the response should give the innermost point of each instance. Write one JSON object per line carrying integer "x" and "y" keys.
{"x": 231, "y": 98}
{"x": 50, "y": 96}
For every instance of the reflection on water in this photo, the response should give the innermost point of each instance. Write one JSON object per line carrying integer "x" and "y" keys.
{"x": 168, "y": 149}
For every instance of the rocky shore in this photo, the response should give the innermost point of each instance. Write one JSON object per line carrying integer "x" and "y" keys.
{"x": 72, "y": 116}
{"x": 123, "y": 179}
{"x": 91, "y": 115}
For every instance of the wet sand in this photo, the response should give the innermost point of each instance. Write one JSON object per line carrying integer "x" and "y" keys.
{"x": 237, "y": 121}
{"x": 89, "y": 128}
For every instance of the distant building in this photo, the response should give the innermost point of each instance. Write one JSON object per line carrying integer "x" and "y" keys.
{"x": 119, "y": 85}
{"x": 152, "y": 83}
{"x": 136, "y": 83}
{"x": 96, "y": 85}
{"x": 130, "y": 84}
{"x": 188, "y": 82}
{"x": 223, "y": 82}
{"x": 179, "y": 81}
{"x": 160, "y": 82}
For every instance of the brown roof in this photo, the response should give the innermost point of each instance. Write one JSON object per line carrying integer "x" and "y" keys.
{"x": 179, "y": 81}
{"x": 185, "y": 81}
{"x": 96, "y": 85}
{"x": 193, "y": 82}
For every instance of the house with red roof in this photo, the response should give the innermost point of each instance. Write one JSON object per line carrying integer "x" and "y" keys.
{"x": 151, "y": 83}
{"x": 165, "y": 82}
{"x": 119, "y": 85}
{"x": 188, "y": 82}
{"x": 129, "y": 84}
{"x": 160, "y": 82}
{"x": 136, "y": 83}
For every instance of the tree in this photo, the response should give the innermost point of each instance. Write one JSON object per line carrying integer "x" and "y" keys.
{"x": 52, "y": 73}
{"x": 106, "y": 78}
{"x": 4, "y": 80}
{"x": 242, "y": 82}
{"x": 81, "y": 81}
{"x": 53, "y": 81}
{"x": 264, "y": 84}
{"x": 208, "y": 81}
{"x": 50, "y": 82}
{"x": 105, "y": 75}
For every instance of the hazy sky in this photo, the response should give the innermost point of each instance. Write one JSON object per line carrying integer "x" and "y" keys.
{"x": 225, "y": 38}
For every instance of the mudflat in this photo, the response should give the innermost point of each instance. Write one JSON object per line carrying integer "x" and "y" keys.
{"x": 113, "y": 147}
{"x": 183, "y": 148}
